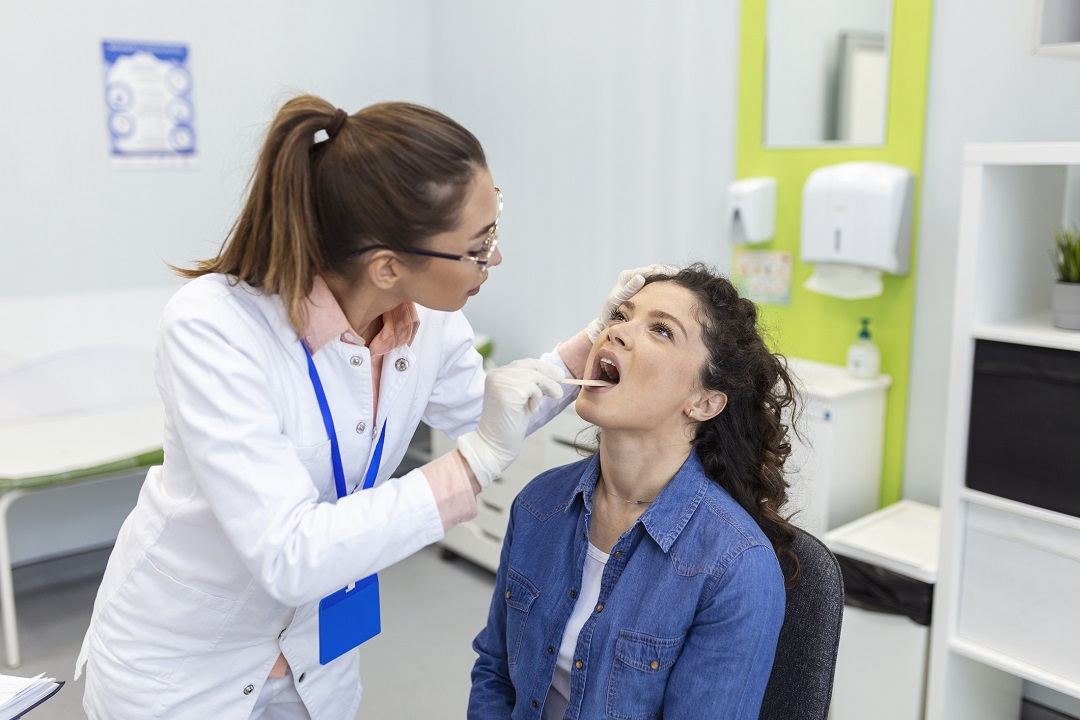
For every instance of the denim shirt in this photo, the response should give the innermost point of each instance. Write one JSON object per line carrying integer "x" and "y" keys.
{"x": 690, "y": 608}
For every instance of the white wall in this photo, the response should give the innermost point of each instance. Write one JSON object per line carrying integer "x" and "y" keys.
{"x": 610, "y": 126}
{"x": 69, "y": 221}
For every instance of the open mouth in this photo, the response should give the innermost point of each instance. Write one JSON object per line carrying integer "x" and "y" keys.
{"x": 608, "y": 371}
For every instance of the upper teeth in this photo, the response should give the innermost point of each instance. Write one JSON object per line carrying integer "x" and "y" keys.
{"x": 607, "y": 367}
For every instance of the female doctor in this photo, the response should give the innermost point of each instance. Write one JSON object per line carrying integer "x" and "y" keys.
{"x": 294, "y": 369}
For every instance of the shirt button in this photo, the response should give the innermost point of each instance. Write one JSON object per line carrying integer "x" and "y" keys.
{"x": 535, "y": 704}
{"x": 617, "y": 553}
{"x": 551, "y": 650}
{"x": 507, "y": 594}
{"x": 401, "y": 365}
{"x": 301, "y": 678}
{"x": 654, "y": 664}
{"x": 356, "y": 361}
{"x": 573, "y": 593}
{"x": 360, "y": 428}
{"x": 600, "y": 607}
{"x": 249, "y": 689}
{"x": 578, "y": 664}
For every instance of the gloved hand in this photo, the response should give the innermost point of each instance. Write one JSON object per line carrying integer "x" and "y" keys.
{"x": 512, "y": 394}
{"x": 628, "y": 283}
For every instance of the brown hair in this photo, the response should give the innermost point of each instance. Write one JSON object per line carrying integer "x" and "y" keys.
{"x": 393, "y": 174}
{"x": 744, "y": 448}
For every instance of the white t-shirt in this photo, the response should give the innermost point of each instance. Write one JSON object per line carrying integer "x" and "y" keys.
{"x": 559, "y": 693}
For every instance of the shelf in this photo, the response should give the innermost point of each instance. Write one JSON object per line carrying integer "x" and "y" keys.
{"x": 1036, "y": 153}
{"x": 977, "y": 497}
{"x": 1006, "y": 663}
{"x": 1069, "y": 49}
{"x": 1034, "y": 329}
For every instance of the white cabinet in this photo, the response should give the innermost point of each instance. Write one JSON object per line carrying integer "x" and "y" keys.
{"x": 1009, "y": 578}
{"x": 480, "y": 539}
{"x": 836, "y": 465}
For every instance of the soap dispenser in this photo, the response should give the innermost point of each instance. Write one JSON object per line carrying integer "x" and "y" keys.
{"x": 863, "y": 358}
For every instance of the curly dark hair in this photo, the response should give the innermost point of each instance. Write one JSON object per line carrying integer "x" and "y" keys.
{"x": 744, "y": 448}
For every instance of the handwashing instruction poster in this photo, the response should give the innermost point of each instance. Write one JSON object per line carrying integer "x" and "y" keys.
{"x": 151, "y": 116}
{"x": 764, "y": 276}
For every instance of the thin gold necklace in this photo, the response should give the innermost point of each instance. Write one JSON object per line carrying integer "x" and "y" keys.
{"x": 620, "y": 497}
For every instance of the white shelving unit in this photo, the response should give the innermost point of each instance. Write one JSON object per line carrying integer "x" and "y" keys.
{"x": 1008, "y": 587}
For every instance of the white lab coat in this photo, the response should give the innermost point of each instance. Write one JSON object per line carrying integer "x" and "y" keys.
{"x": 236, "y": 538}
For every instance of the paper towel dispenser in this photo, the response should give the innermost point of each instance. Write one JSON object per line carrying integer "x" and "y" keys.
{"x": 856, "y": 224}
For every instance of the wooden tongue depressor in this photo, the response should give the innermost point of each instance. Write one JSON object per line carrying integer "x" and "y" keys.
{"x": 586, "y": 383}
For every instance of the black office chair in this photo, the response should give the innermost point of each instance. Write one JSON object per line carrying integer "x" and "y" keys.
{"x": 800, "y": 686}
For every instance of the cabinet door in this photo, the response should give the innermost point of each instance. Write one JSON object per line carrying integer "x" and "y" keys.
{"x": 811, "y": 469}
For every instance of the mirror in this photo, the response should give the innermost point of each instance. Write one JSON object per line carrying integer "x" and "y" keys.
{"x": 826, "y": 72}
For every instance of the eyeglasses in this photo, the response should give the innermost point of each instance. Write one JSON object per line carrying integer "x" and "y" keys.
{"x": 480, "y": 257}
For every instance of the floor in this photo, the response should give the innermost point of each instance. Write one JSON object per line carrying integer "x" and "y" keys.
{"x": 417, "y": 668}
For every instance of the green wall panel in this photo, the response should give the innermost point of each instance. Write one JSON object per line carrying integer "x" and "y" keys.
{"x": 815, "y": 326}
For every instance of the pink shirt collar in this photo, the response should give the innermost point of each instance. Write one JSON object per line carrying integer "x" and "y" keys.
{"x": 326, "y": 322}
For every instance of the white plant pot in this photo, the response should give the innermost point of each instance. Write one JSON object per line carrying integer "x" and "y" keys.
{"x": 1065, "y": 303}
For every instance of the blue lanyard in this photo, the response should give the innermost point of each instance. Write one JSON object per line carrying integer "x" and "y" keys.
{"x": 328, "y": 421}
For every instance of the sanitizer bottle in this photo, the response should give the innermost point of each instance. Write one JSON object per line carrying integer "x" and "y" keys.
{"x": 863, "y": 358}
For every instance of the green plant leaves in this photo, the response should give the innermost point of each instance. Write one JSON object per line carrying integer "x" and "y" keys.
{"x": 1067, "y": 254}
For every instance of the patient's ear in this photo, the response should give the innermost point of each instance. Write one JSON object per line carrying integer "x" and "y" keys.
{"x": 708, "y": 405}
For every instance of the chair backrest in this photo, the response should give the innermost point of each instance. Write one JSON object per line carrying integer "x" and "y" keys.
{"x": 800, "y": 686}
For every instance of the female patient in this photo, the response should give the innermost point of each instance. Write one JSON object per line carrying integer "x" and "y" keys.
{"x": 643, "y": 582}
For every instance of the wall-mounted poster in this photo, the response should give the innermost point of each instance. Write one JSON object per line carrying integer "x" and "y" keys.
{"x": 764, "y": 276}
{"x": 151, "y": 115}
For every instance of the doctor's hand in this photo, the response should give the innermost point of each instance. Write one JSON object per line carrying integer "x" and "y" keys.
{"x": 512, "y": 394}
{"x": 628, "y": 283}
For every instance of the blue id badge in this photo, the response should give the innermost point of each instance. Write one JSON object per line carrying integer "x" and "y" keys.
{"x": 348, "y": 618}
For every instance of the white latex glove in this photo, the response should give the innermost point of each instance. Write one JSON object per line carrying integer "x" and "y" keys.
{"x": 512, "y": 394}
{"x": 628, "y": 283}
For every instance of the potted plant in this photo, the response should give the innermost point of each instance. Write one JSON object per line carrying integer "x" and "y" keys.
{"x": 1066, "y": 296}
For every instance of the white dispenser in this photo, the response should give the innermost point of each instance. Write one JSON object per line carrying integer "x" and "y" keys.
{"x": 856, "y": 224}
{"x": 752, "y": 210}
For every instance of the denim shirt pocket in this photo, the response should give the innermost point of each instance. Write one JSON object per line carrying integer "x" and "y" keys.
{"x": 520, "y": 595}
{"x": 639, "y": 675}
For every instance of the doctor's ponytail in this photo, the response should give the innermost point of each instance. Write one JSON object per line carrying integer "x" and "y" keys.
{"x": 392, "y": 174}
